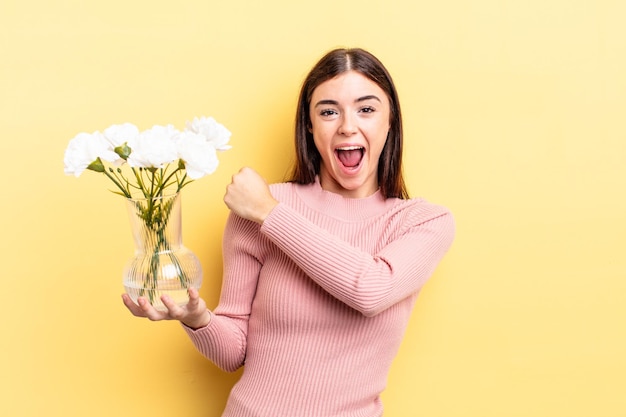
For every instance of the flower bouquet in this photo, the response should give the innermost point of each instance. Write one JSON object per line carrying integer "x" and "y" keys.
{"x": 149, "y": 169}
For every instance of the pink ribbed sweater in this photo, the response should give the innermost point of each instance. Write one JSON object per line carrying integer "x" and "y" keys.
{"x": 315, "y": 301}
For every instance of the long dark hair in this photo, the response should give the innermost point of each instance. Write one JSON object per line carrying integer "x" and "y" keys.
{"x": 335, "y": 62}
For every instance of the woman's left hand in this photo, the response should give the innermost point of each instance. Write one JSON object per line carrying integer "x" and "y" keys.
{"x": 248, "y": 196}
{"x": 194, "y": 314}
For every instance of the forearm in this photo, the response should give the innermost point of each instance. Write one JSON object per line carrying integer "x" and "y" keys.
{"x": 224, "y": 339}
{"x": 367, "y": 282}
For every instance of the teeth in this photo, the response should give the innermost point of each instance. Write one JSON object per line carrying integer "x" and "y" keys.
{"x": 349, "y": 148}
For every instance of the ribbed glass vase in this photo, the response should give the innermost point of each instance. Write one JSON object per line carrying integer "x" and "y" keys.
{"x": 161, "y": 264}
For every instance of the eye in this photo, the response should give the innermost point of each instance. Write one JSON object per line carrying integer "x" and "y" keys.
{"x": 368, "y": 109}
{"x": 328, "y": 112}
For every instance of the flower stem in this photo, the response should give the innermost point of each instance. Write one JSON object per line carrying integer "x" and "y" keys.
{"x": 116, "y": 182}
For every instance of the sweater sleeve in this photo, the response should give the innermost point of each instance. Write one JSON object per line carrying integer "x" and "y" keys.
{"x": 223, "y": 340}
{"x": 369, "y": 283}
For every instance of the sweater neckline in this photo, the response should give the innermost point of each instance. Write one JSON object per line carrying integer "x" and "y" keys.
{"x": 344, "y": 208}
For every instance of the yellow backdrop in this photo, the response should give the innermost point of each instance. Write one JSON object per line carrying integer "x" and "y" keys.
{"x": 514, "y": 119}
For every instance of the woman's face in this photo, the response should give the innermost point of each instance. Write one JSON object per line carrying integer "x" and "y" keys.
{"x": 349, "y": 122}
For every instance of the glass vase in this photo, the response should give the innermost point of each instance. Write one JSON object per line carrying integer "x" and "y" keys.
{"x": 161, "y": 264}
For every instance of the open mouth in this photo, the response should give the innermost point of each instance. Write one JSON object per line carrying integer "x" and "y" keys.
{"x": 350, "y": 156}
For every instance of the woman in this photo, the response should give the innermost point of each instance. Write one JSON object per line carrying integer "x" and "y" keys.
{"x": 321, "y": 273}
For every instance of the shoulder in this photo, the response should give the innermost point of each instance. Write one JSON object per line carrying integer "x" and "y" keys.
{"x": 288, "y": 191}
{"x": 417, "y": 211}
{"x": 422, "y": 219}
{"x": 282, "y": 188}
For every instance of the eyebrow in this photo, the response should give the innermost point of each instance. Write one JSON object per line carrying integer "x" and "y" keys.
{"x": 335, "y": 103}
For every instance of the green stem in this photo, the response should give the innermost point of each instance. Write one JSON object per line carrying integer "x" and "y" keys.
{"x": 117, "y": 183}
{"x": 167, "y": 180}
{"x": 182, "y": 182}
{"x": 140, "y": 184}
{"x": 159, "y": 213}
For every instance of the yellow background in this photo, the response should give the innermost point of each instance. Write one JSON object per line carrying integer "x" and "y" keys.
{"x": 515, "y": 119}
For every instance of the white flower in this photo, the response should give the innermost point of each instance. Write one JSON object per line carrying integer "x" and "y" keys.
{"x": 85, "y": 149}
{"x": 215, "y": 133}
{"x": 153, "y": 148}
{"x": 198, "y": 155}
{"x": 117, "y": 135}
{"x": 168, "y": 159}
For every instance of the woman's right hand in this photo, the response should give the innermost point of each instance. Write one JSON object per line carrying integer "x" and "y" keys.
{"x": 194, "y": 314}
{"x": 249, "y": 196}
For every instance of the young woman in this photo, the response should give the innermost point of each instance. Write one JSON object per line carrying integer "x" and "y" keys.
{"x": 321, "y": 273}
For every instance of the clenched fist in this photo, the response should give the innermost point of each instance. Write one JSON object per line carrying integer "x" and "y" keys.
{"x": 248, "y": 196}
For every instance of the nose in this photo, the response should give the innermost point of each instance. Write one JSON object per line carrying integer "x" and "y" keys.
{"x": 348, "y": 125}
